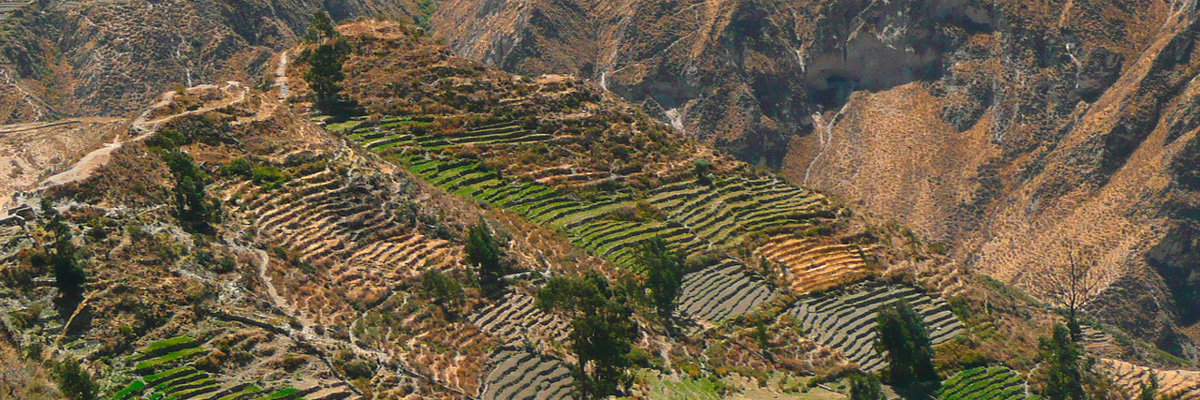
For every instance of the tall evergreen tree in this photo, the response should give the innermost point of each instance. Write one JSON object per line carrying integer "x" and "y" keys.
{"x": 664, "y": 276}
{"x": 320, "y": 25}
{"x": 325, "y": 75}
{"x": 901, "y": 333}
{"x": 602, "y": 331}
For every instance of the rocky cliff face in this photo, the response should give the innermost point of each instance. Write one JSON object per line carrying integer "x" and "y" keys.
{"x": 87, "y": 58}
{"x": 1019, "y": 132}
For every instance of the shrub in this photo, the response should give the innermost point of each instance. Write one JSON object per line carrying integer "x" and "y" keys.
{"x": 484, "y": 254}
{"x": 865, "y": 387}
{"x": 238, "y": 167}
{"x": 267, "y": 176}
{"x": 641, "y": 358}
{"x": 702, "y": 168}
{"x": 358, "y": 369}
{"x": 444, "y": 290}
{"x": 74, "y": 382}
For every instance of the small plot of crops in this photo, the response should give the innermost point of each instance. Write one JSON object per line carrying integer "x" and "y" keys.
{"x": 984, "y": 383}
{"x": 846, "y": 320}
{"x": 730, "y": 208}
{"x": 540, "y": 203}
{"x": 518, "y": 374}
{"x": 809, "y": 265}
{"x": 399, "y": 131}
{"x": 166, "y": 373}
{"x": 721, "y": 291}
{"x": 1183, "y": 384}
{"x": 659, "y": 387}
{"x": 516, "y": 319}
{"x": 618, "y": 240}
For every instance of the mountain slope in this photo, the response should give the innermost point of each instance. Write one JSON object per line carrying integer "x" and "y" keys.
{"x": 1014, "y": 131}
{"x": 235, "y": 244}
{"x": 110, "y": 58}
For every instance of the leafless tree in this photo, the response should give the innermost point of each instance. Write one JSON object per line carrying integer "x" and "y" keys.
{"x": 1073, "y": 286}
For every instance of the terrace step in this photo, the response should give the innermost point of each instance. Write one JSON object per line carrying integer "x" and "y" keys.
{"x": 721, "y": 291}
{"x": 518, "y": 374}
{"x": 845, "y": 321}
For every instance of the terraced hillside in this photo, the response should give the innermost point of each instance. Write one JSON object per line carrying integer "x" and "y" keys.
{"x": 10, "y": 6}
{"x": 1181, "y": 384}
{"x": 811, "y": 265}
{"x": 721, "y": 291}
{"x": 517, "y": 374}
{"x": 311, "y": 265}
{"x": 167, "y": 369}
{"x": 583, "y": 220}
{"x": 515, "y": 319}
{"x": 351, "y": 229}
{"x": 846, "y": 320}
{"x": 731, "y": 208}
{"x": 990, "y": 383}
{"x": 391, "y": 132}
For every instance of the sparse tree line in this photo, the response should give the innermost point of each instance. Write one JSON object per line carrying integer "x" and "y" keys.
{"x": 602, "y": 313}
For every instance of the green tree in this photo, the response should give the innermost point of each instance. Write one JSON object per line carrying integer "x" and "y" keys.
{"x": 1063, "y": 366}
{"x": 1149, "y": 389}
{"x": 64, "y": 259}
{"x": 193, "y": 208}
{"x": 602, "y": 332}
{"x": 74, "y": 382}
{"x": 325, "y": 75}
{"x": 664, "y": 276}
{"x": 702, "y": 168}
{"x": 446, "y": 292}
{"x": 901, "y": 333}
{"x": 320, "y": 25}
{"x": 484, "y": 254}
{"x": 865, "y": 387}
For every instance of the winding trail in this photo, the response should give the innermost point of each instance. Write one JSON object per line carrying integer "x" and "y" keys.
{"x": 308, "y": 334}
{"x": 826, "y": 138}
{"x": 141, "y": 128}
{"x": 281, "y": 76}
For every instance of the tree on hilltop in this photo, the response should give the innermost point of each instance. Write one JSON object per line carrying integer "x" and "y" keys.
{"x": 320, "y": 26}
{"x": 325, "y": 62}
